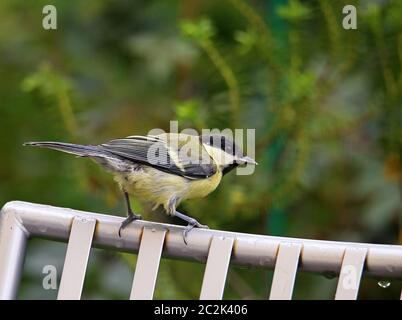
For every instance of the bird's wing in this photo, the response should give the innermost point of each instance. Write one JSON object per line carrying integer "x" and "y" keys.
{"x": 181, "y": 155}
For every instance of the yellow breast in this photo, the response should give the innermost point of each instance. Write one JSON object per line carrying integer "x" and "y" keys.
{"x": 157, "y": 187}
{"x": 201, "y": 188}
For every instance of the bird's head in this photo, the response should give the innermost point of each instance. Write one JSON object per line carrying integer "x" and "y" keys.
{"x": 225, "y": 152}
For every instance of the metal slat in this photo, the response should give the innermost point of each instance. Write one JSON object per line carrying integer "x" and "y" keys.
{"x": 285, "y": 271}
{"x": 13, "y": 239}
{"x": 216, "y": 268}
{"x": 75, "y": 264}
{"x": 47, "y": 222}
{"x": 146, "y": 270}
{"x": 351, "y": 272}
{"x": 52, "y": 223}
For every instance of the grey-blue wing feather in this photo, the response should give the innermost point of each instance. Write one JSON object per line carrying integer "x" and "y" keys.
{"x": 157, "y": 153}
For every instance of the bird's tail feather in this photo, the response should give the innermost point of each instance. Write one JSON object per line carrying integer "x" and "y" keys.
{"x": 76, "y": 149}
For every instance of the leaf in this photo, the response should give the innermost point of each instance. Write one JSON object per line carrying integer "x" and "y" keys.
{"x": 294, "y": 11}
{"x": 200, "y": 30}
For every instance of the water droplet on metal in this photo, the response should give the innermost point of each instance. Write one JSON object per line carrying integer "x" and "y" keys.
{"x": 384, "y": 283}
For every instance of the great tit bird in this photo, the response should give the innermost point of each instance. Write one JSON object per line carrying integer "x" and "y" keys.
{"x": 162, "y": 169}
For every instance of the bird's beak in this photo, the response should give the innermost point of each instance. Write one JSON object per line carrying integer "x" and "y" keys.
{"x": 247, "y": 160}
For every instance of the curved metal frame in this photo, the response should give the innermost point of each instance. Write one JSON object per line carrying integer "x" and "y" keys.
{"x": 20, "y": 221}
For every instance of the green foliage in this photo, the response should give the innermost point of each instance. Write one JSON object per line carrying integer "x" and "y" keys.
{"x": 247, "y": 40}
{"x": 190, "y": 113}
{"x": 325, "y": 103}
{"x": 201, "y": 30}
{"x": 294, "y": 11}
{"x": 57, "y": 89}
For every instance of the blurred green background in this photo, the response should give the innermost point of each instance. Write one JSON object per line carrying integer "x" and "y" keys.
{"x": 326, "y": 104}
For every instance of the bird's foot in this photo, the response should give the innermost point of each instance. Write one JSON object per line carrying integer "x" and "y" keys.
{"x": 130, "y": 218}
{"x": 191, "y": 225}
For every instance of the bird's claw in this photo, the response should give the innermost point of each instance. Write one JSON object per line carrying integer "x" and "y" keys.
{"x": 130, "y": 218}
{"x": 191, "y": 226}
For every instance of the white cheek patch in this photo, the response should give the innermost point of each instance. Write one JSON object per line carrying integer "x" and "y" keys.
{"x": 221, "y": 157}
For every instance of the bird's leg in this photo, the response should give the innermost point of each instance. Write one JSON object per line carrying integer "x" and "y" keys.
{"x": 131, "y": 216}
{"x": 192, "y": 223}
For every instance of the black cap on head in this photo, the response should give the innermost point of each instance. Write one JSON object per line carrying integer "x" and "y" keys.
{"x": 224, "y": 143}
